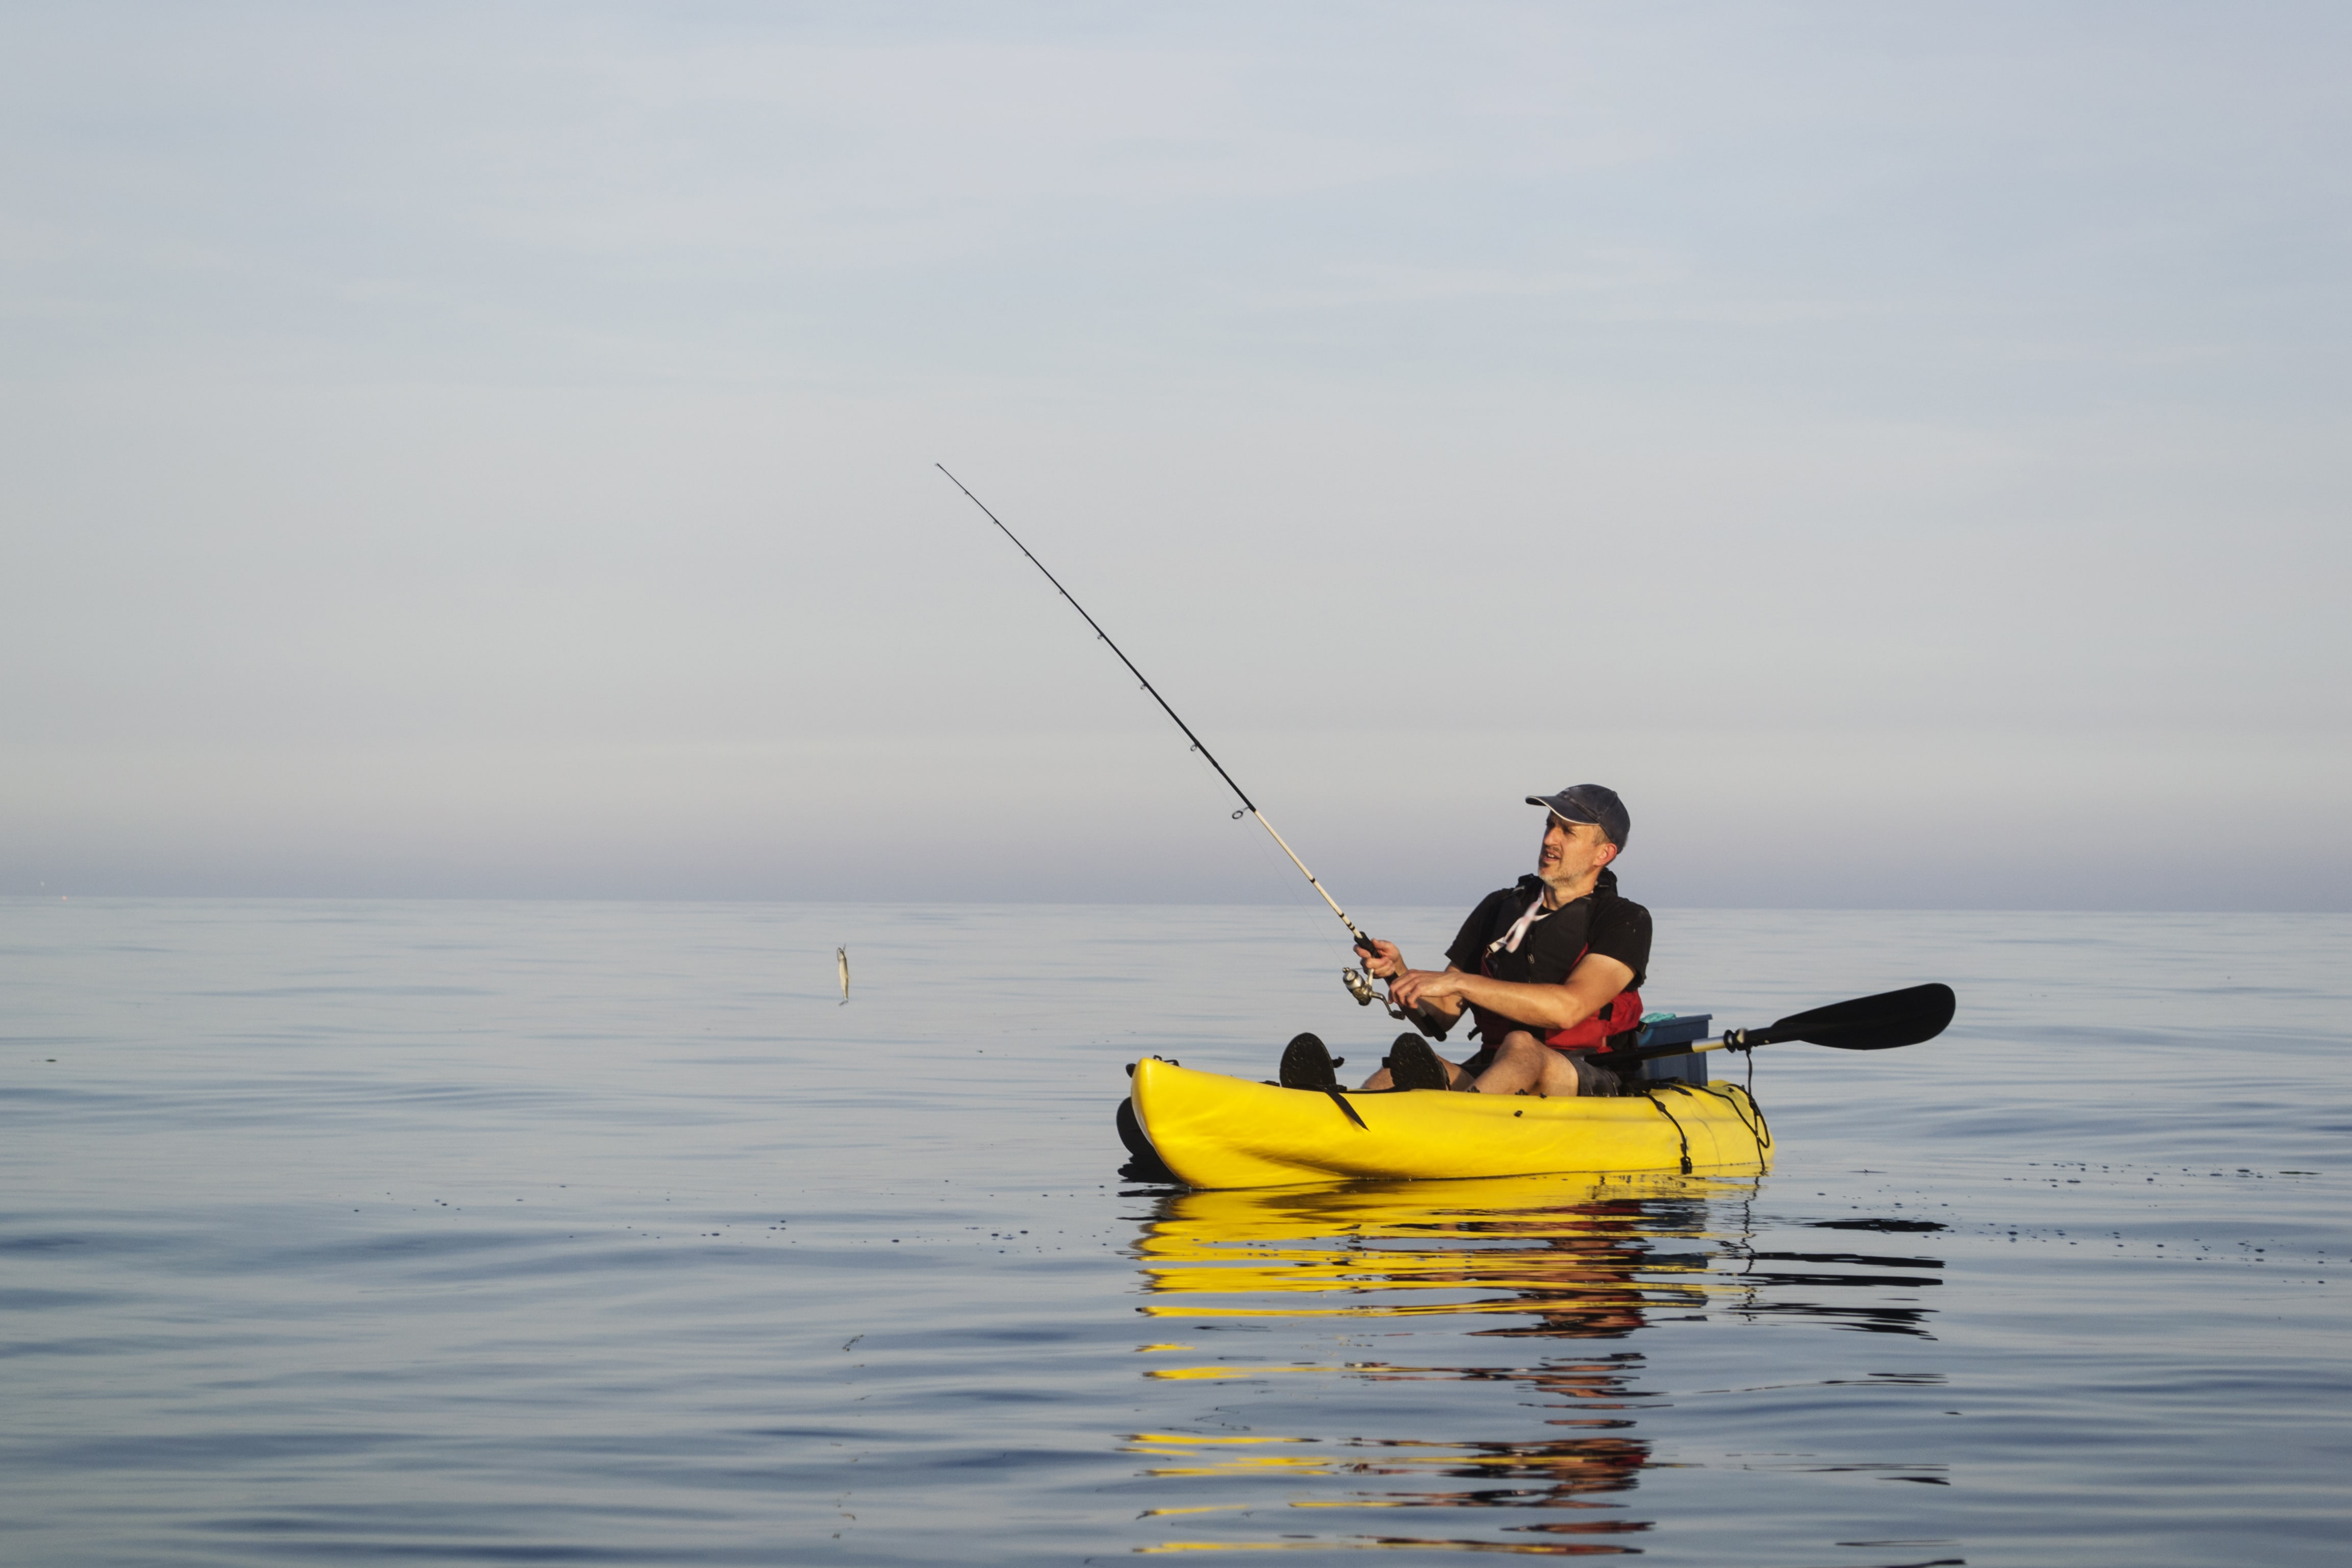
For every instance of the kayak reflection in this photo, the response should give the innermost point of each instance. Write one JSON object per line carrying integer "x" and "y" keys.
{"x": 1583, "y": 1260}
{"x": 1581, "y": 1256}
{"x": 1586, "y": 1256}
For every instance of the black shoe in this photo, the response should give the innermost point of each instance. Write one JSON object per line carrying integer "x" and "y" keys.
{"x": 1306, "y": 1063}
{"x": 1412, "y": 1064}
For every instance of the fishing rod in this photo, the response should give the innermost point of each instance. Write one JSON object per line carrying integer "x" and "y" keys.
{"x": 1359, "y": 984}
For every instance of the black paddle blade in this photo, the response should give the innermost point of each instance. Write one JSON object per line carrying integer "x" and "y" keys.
{"x": 1877, "y": 1023}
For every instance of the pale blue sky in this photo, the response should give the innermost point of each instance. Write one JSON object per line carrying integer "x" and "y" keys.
{"x": 486, "y": 450}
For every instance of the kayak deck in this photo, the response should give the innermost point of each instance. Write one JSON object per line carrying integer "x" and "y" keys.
{"x": 1216, "y": 1132}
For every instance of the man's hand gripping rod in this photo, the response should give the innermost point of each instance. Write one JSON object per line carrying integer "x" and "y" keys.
{"x": 1359, "y": 983}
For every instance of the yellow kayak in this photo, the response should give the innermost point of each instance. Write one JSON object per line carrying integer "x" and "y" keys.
{"x": 1212, "y": 1130}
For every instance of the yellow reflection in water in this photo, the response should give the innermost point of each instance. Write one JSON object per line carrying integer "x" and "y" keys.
{"x": 1575, "y": 1258}
{"x": 1558, "y": 1245}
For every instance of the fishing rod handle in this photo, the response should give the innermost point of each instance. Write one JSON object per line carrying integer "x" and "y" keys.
{"x": 1428, "y": 1021}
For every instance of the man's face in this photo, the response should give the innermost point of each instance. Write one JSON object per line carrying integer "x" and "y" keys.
{"x": 1571, "y": 851}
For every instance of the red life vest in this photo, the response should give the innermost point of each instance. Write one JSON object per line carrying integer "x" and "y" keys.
{"x": 1621, "y": 1014}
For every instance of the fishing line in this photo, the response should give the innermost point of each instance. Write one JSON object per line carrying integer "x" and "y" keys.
{"x": 1359, "y": 987}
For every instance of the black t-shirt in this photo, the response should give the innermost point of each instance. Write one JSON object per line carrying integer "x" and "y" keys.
{"x": 1601, "y": 923}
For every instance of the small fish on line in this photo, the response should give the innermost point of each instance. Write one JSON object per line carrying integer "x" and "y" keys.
{"x": 841, "y": 957}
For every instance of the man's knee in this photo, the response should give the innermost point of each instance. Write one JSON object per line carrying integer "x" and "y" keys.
{"x": 1548, "y": 1071}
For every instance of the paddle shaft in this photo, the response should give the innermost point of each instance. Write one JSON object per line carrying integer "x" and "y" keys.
{"x": 1653, "y": 1052}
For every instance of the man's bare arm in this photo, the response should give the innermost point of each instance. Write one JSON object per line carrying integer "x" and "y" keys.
{"x": 1595, "y": 982}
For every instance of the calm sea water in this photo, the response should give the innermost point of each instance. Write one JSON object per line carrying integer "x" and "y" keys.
{"x": 416, "y": 1232}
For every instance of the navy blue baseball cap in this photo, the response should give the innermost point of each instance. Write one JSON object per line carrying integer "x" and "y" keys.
{"x": 1596, "y": 803}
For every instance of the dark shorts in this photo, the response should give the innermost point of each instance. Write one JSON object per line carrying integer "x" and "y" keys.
{"x": 1591, "y": 1078}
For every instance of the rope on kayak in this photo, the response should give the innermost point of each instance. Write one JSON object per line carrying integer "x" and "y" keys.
{"x": 1763, "y": 1129}
{"x": 1759, "y": 1129}
{"x": 1653, "y": 1097}
{"x": 1341, "y": 1101}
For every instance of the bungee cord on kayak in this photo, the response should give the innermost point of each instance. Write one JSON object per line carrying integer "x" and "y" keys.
{"x": 1359, "y": 984}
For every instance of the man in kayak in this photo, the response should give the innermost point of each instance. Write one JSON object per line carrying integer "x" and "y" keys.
{"x": 1552, "y": 969}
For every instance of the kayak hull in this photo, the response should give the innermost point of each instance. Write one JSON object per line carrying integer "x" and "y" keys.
{"x": 1216, "y": 1132}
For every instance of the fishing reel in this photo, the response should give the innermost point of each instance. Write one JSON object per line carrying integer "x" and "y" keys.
{"x": 1365, "y": 990}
